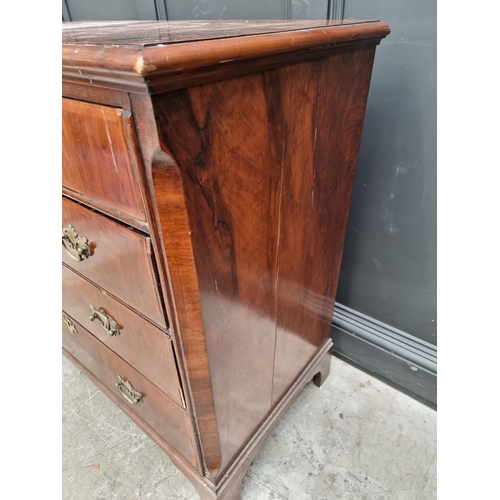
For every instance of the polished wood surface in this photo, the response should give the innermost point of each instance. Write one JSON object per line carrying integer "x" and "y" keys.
{"x": 194, "y": 474}
{"x": 189, "y": 341}
{"x": 243, "y": 140}
{"x": 229, "y": 487}
{"x": 267, "y": 195}
{"x": 152, "y": 34}
{"x": 121, "y": 262}
{"x": 145, "y": 347}
{"x": 173, "y": 224}
{"x": 95, "y": 157}
{"x": 112, "y": 59}
{"x": 321, "y": 134}
{"x": 106, "y": 209}
{"x": 156, "y": 409}
{"x": 232, "y": 198}
{"x": 93, "y": 94}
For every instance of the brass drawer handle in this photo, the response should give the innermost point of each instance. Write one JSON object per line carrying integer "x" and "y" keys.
{"x": 128, "y": 392}
{"x": 76, "y": 246}
{"x": 71, "y": 326}
{"x": 105, "y": 320}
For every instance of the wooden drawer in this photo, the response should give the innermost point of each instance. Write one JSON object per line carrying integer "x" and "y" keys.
{"x": 156, "y": 409}
{"x": 138, "y": 342}
{"x": 121, "y": 260}
{"x": 96, "y": 161}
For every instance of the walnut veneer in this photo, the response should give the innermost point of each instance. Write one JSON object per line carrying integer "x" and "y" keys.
{"x": 207, "y": 175}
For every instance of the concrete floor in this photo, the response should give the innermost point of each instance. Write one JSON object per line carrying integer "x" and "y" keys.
{"x": 355, "y": 438}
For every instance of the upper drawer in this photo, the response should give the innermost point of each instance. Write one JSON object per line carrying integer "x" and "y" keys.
{"x": 120, "y": 259}
{"x": 96, "y": 162}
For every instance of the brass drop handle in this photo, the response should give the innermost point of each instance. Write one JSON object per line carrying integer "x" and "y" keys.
{"x": 76, "y": 247}
{"x": 127, "y": 390}
{"x": 71, "y": 326}
{"x": 105, "y": 320}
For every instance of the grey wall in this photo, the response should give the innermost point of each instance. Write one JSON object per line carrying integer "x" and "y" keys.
{"x": 95, "y": 10}
{"x": 222, "y": 9}
{"x": 389, "y": 264}
{"x": 385, "y": 320}
{"x": 109, "y": 10}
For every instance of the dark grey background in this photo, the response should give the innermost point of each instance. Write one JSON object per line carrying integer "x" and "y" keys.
{"x": 389, "y": 265}
{"x": 385, "y": 322}
{"x": 94, "y": 10}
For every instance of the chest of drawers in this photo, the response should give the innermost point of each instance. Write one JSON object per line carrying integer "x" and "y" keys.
{"x": 207, "y": 175}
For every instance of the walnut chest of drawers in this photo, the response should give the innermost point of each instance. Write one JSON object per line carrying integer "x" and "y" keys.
{"x": 207, "y": 175}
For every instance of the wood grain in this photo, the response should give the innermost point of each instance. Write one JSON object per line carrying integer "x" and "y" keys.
{"x": 145, "y": 347}
{"x": 232, "y": 188}
{"x": 194, "y": 474}
{"x": 324, "y": 112}
{"x": 94, "y": 94}
{"x": 233, "y": 479}
{"x": 267, "y": 194}
{"x": 106, "y": 209}
{"x": 109, "y": 48}
{"x": 155, "y": 57}
{"x": 174, "y": 227}
{"x": 121, "y": 262}
{"x": 156, "y": 409}
{"x": 95, "y": 157}
{"x": 141, "y": 34}
{"x": 248, "y": 136}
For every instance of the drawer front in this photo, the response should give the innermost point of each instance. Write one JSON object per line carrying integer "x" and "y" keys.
{"x": 119, "y": 259}
{"x": 96, "y": 162}
{"x": 137, "y": 341}
{"x": 156, "y": 409}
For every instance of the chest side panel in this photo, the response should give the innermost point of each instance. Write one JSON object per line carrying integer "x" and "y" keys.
{"x": 231, "y": 182}
{"x": 267, "y": 162}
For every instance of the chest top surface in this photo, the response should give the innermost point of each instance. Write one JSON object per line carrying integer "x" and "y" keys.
{"x": 160, "y": 33}
{"x": 143, "y": 52}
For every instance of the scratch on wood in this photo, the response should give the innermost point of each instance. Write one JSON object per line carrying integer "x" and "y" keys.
{"x": 316, "y": 118}
{"x": 214, "y": 211}
{"x": 141, "y": 67}
{"x": 109, "y": 140}
{"x": 277, "y": 265}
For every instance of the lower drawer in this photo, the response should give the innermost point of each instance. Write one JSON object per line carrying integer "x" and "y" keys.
{"x": 138, "y": 342}
{"x": 147, "y": 401}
